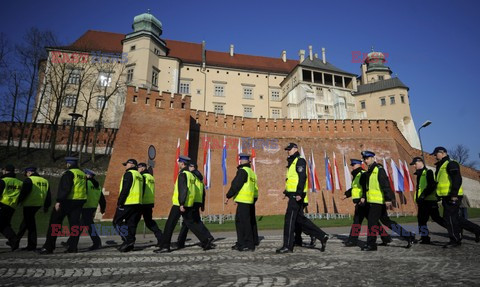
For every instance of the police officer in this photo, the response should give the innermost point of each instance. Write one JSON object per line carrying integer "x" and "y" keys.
{"x": 35, "y": 193}
{"x": 71, "y": 196}
{"x": 378, "y": 195}
{"x": 361, "y": 209}
{"x": 94, "y": 199}
{"x": 129, "y": 205}
{"x": 426, "y": 199}
{"x": 182, "y": 205}
{"x": 449, "y": 189}
{"x": 295, "y": 190}
{"x": 10, "y": 188}
{"x": 298, "y": 229}
{"x": 242, "y": 190}
{"x": 148, "y": 201}
{"x": 198, "y": 204}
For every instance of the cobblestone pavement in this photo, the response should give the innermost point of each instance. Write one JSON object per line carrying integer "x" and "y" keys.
{"x": 395, "y": 265}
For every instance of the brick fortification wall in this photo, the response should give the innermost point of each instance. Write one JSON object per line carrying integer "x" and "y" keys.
{"x": 153, "y": 118}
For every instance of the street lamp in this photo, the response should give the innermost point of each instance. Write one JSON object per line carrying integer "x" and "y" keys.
{"x": 425, "y": 124}
{"x": 75, "y": 117}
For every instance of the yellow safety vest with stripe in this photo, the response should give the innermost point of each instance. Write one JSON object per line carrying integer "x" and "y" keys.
{"x": 292, "y": 178}
{"x": 149, "y": 192}
{"x": 198, "y": 191}
{"x": 247, "y": 192}
{"x": 79, "y": 188}
{"x": 421, "y": 187}
{"x": 443, "y": 181}
{"x": 38, "y": 194}
{"x": 11, "y": 191}
{"x": 190, "y": 193}
{"x": 93, "y": 195}
{"x": 136, "y": 190}
{"x": 374, "y": 193}
{"x": 305, "y": 199}
{"x": 357, "y": 190}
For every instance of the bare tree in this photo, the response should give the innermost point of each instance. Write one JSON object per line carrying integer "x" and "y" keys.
{"x": 461, "y": 154}
{"x": 13, "y": 96}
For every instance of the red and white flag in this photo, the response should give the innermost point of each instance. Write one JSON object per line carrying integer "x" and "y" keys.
{"x": 403, "y": 171}
{"x": 239, "y": 150}
{"x": 177, "y": 155}
{"x": 254, "y": 155}
{"x": 348, "y": 176}
{"x": 388, "y": 174}
{"x": 410, "y": 181}
{"x": 315, "y": 182}
{"x": 338, "y": 185}
{"x": 205, "y": 151}
{"x": 185, "y": 152}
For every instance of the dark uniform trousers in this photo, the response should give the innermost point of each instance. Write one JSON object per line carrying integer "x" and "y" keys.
{"x": 28, "y": 223}
{"x": 253, "y": 220}
{"x": 428, "y": 209}
{"x": 182, "y": 236}
{"x": 6, "y": 213}
{"x": 378, "y": 212}
{"x": 147, "y": 213}
{"x": 454, "y": 222}
{"x": 188, "y": 218}
{"x": 88, "y": 215}
{"x": 71, "y": 209}
{"x": 128, "y": 215}
{"x": 361, "y": 212}
{"x": 294, "y": 216}
{"x": 243, "y": 225}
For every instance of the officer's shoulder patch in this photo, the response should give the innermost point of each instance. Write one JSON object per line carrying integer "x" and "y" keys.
{"x": 300, "y": 168}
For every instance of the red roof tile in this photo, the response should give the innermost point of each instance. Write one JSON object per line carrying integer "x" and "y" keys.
{"x": 186, "y": 51}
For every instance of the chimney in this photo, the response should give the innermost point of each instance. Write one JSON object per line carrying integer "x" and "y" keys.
{"x": 284, "y": 56}
{"x": 316, "y": 55}
{"x": 310, "y": 52}
{"x": 364, "y": 74}
{"x": 203, "y": 55}
{"x": 231, "y": 50}
{"x": 301, "y": 53}
{"x": 324, "y": 59}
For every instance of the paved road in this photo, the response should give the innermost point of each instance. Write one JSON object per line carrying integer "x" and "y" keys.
{"x": 337, "y": 266}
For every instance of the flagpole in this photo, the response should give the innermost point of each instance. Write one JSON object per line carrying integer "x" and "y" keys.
{"x": 223, "y": 203}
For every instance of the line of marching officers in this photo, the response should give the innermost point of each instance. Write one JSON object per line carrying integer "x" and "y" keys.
{"x": 79, "y": 195}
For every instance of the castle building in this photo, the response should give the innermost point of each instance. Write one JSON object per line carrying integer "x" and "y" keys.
{"x": 220, "y": 82}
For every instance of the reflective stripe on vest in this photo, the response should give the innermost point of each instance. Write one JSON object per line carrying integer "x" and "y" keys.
{"x": 93, "y": 195}
{"x": 292, "y": 178}
{"x": 374, "y": 194}
{"x": 190, "y": 192}
{"x": 443, "y": 181}
{"x": 37, "y": 195}
{"x": 421, "y": 187}
{"x": 136, "y": 190}
{"x": 247, "y": 192}
{"x": 11, "y": 191}
{"x": 198, "y": 191}
{"x": 357, "y": 190}
{"x": 149, "y": 192}
{"x": 79, "y": 188}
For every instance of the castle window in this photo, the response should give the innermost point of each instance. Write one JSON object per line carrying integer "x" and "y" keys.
{"x": 326, "y": 109}
{"x": 132, "y": 48}
{"x": 219, "y": 91}
{"x": 402, "y": 98}
{"x": 380, "y": 78}
{"x": 383, "y": 102}
{"x": 392, "y": 100}
{"x": 248, "y": 112}
{"x": 65, "y": 122}
{"x": 248, "y": 93}
{"x": 105, "y": 79}
{"x": 101, "y": 101}
{"x": 129, "y": 75}
{"x": 218, "y": 109}
{"x": 275, "y": 95}
{"x": 184, "y": 88}
{"x": 70, "y": 101}
{"x": 155, "y": 78}
{"x": 74, "y": 77}
{"x": 276, "y": 113}
{"x": 363, "y": 105}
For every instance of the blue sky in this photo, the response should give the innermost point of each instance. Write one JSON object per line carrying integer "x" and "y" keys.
{"x": 433, "y": 46}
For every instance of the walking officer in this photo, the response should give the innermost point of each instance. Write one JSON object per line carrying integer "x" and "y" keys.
{"x": 148, "y": 201}
{"x": 94, "y": 199}
{"x": 198, "y": 204}
{"x": 242, "y": 190}
{"x": 10, "y": 188}
{"x": 361, "y": 208}
{"x": 426, "y": 199}
{"x": 129, "y": 204}
{"x": 182, "y": 205}
{"x": 71, "y": 196}
{"x": 295, "y": 190}
{"x": 449, "y": 189}
{"x": 298, "y": 229}
{"x": 35, "y": 194}
{"x": 378, "y": 195}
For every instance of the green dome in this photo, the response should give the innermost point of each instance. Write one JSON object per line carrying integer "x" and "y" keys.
{"x": 148, "y": 18}
{"x": 147, "y": 22}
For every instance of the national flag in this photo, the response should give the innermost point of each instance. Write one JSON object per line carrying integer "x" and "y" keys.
{"x": 205, "y": 151}
{"x": 338, "y": 185}
{"x": 224, "y": 160}
{"x": 348, "y": 176}
{"x": 406, "y": 183}
{"x": 208, "y": 171}
{"x": 177, "y": 155}
{"x": 401, "y": 182}
{"x": 410, "y": 181}
{"x": 394, "y": 175}
{"x": 387, "y": 171}
{"x": 328, "y": 174}
{"x": 254, "y": 155}
{"x": 302, "y": 154}
{"x": 185, "y": 152}
{"x": 315, "y": 182}
{"x": 239, "y": 150}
